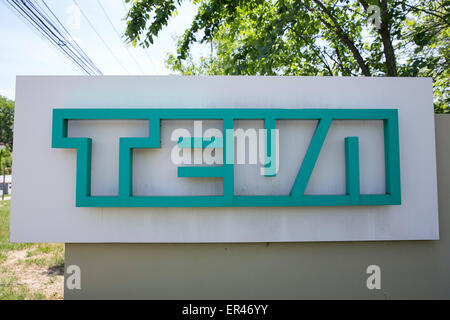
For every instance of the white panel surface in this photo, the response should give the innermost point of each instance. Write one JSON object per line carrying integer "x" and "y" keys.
{"x": 43, "y": 204}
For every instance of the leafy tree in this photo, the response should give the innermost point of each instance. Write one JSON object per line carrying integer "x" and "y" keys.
{"x": 5, "y": 160}
{"x": 307, "y": 37}
{"x": 6, "y": 121}
{"x": 430, "y": 33}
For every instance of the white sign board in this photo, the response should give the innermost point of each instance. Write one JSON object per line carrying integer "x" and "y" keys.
{"x": 46, "y": 207}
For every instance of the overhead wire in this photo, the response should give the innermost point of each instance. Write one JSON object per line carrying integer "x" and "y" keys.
{"x": 56, "y": 32}
{"x": 72, "y": 39}
{"x": 100, "y": 37}
{"x": 120, "y": 38}
{"x": 40, "y": 20}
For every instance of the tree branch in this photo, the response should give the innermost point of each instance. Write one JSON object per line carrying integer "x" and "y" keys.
{"x": 385, "y": 33}
{"x": 318, "y": 52}
{"x": 341, "y": 34}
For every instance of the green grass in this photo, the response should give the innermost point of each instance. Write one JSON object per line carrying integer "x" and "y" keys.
{"x": 49, "y": 256}
{"x": 9, "y": 290}
{"x": 5, "y": 246}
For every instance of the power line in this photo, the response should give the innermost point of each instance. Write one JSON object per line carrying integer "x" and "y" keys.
{"x": 124, "y": 6}
{"x": 30, "y": 19}
{"x": 40, "y": 20}
{"x": 100, "y": 37}
{"x": 150, "y": 59}
{"x": 64, "y": 28}
{"x": 117, "y": 33}
{"x": 51, "y": 30}
{"x": 76, "y": 47}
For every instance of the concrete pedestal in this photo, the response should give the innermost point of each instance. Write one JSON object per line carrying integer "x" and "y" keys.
{"x": 329, "y": 270}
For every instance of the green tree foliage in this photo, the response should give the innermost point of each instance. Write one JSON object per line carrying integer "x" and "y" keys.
{"x": 307, "y": 37}
{"x": 6, "y": 133}
{"x": 430, "y": 55}
{"x": 5, "y": 161}
{"x": 6, "y": 121}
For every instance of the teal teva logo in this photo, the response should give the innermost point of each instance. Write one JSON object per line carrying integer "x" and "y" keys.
{"x": 225, "y": 170}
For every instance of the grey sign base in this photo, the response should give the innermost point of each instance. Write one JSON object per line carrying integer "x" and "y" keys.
{"x": 328, "y": 270}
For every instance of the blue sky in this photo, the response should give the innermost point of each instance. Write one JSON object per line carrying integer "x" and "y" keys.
{"x": 25, "y": 52}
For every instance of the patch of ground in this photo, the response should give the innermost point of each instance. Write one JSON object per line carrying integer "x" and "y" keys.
{"x": 35, "y": 273}
{"x": 29, "y": 270}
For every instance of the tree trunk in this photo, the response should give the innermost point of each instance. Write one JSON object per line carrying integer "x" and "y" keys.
{"x": 384, "y": 31}
{"x": 341, "y": 34}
